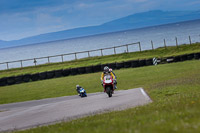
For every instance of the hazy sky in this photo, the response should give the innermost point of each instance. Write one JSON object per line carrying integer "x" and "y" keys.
{"x": 23, "y": 18}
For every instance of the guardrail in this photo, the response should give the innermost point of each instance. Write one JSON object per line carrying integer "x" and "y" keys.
{"x": 48, "y": 58}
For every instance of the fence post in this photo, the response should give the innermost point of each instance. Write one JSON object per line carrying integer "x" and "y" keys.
{"x": 114, "y": 51}
{"x": 88, "y": 53}
{"x": 48, "y": 59}
{"x": 7, "y": 65}
{"x": 101, "y": 52}
{"x": 190, "y": 40}
{"x": 152, "y": 45}
{"x": 75, "y": 56}
{"x": 62, "y": 58}
{"x": 35, "y": 61}
{"x": 165, "y": 44}
{"x": 176, "y": 41}
{"x": 127, "y": 48}
{"x": 21, "y": 64}
{"x": 140, "y": 47}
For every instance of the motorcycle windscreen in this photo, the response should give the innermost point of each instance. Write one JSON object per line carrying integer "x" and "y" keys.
{"x": 82, "y": 90}
{"x": 108, "y": 79}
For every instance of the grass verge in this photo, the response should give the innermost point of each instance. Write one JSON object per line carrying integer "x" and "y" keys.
{"x": 127, "y": 78}
{"x": 174, "y": 88}
{"x": 160, "y": 52}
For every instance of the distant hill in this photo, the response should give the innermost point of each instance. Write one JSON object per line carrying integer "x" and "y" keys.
{"x": 152, "y": 18}
{"x": 139, "y": 20}
{"x": 3, "y": 44}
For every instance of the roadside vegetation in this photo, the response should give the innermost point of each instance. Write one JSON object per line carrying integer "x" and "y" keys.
{"x": 160, "y": 52}
{"x": 174, "y": 89}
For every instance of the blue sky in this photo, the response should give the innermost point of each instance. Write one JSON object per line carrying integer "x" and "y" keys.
{"x": 24, "y": 18}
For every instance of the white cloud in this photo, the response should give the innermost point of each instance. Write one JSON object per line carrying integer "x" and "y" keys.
{"x": 84, "y": 5}
{"x": 43, "y": 18}
{"x": 194, "y": 3}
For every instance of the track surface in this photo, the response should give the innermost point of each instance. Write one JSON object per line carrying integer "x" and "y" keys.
{"x": 41, "y": 112}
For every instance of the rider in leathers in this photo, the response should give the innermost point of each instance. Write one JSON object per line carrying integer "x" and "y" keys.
{"x": 78, "y": 87}
{"x": 109, "y": 71}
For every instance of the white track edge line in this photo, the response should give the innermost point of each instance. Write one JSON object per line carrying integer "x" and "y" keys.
{"x": 144, "y": 93}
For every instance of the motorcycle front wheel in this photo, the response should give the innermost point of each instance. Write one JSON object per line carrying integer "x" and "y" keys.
{"x": 109, "y": 91}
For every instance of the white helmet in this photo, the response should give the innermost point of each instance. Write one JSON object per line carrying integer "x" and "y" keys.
{"x": 106, "y": 69}
{"x": 77, "y": 86}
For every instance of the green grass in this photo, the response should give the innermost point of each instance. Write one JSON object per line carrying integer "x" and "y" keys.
{"x": 160, "y": 52}
{"x": 174, "y": 89}
{"x": 127, "y": 78}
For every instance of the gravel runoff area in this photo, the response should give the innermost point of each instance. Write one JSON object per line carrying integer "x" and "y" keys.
{"x": 23, "y": 115}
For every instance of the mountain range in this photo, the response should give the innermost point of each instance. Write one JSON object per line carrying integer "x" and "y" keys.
{"x": 135, "y": 21}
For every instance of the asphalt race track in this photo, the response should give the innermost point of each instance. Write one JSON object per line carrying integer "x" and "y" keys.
{"x": 30, "y": 114}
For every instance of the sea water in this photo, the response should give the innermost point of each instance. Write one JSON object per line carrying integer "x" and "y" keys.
{"x": 157, "y": 34}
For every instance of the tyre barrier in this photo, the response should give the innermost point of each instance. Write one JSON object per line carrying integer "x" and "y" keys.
{"x": 42, "y": 75}
{"x": 97, "y": 68}
{"x": 170, "y": 59}
{"x": 135, "y": 63}
{"x": 74, "y": 71}
{"x": 81, "y": 70}
{"x": 112, "y": 65}
{"x": 66, "y": 72}
{"x": 120, "y": 65}
{"x": 3, "y": 81}
{"x": 11, "y": 80}
{"x": 35, "y": 77}
{"x": 177, "y": 58}
{"x": 163, "y": 60}
{"x": 127, "y": 64}
{"x": 89, "y": 69}
{"x": 58, "y": 73}
{"x": 26, "y": 77}
{"x": 19, "y": 79}
{"x": 142, "y": 63}
{"x": 50, "y": 74}
{"x": 196, "y": 55}
{"x": 190, "y": 56}
{"x": 149, "y": 62}
{"x": 183, "y": 57}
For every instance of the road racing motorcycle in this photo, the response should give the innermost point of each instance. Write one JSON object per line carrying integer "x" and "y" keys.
{"x": 108, "y": 85}
{"x": 82, "y": 93}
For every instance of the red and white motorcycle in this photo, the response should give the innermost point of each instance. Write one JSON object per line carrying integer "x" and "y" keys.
{"x": 108, "y": 84}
